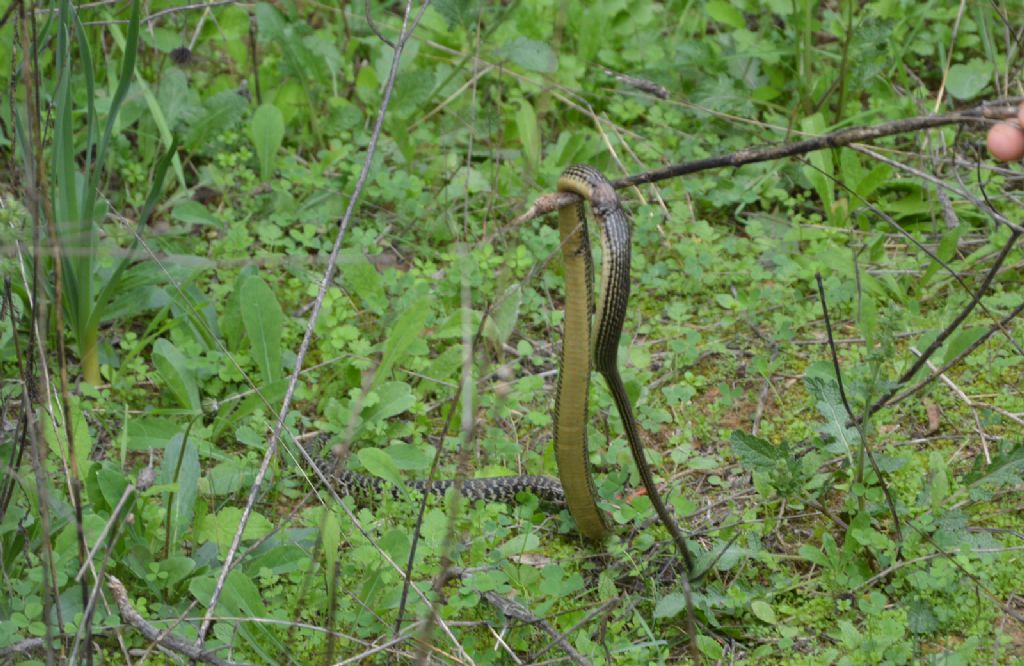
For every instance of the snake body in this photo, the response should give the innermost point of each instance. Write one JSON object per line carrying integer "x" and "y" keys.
{"x": 575, "y": 486}
{"x": 492, "y": 489}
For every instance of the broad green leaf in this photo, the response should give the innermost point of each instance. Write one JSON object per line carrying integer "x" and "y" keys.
{"x": 963, "y": 339}
{"x": 709, "y": 647}
{"x": 812, "y": 554}
{"x": 409, "y": 457}
{"x": 529, "y": 135}
{"x": 821, "y": 168}
{"x": 868, "y": 322}
{"x": 111, "y": 484}
{"x": 966, "y": 81}
{"x": 180, "y": 467}
{"x": 221, "y": 112}
{"x": 231, "y": 321}
{"x": 174, "y": 370}
{"x": 228, "y": 477}
{"x": 220, "y": 527}
{"x": 240, "y": 598}
{"x": 79, "y": 431}
{"x": 378, "y": 463}
{"x": 407, "y": 329}
{"x": 194, "y": 213}
{"x": 267, "y": 132}
{"x": 724, "y": 12}
{"x": 530, "y": 54}
{"x": 939, "y": 488}
{"x": 504, "y": 317}
{"x": 149, "y": 433}
{"x": 263, "y": 320}
{"x": 331, "y": 535}
{"x": 177, "y": 567}
{"x": 763, "y": 611}
{"x": 669, "y": 606}
{"x": 521, "y": 543}
{"x": 363, "y": 281}
{"x": 920, "y": 617}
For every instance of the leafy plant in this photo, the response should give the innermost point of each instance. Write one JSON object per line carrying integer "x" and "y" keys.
{"x": 74, "y": 208}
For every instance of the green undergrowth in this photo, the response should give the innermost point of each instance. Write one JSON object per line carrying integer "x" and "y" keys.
{"x": 818, "y": 543}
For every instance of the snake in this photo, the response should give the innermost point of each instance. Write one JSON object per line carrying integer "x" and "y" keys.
{"x": 583, "y": 349}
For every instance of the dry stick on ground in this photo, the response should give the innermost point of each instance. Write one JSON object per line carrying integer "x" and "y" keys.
{"x": 587, "y": 619}
{"x": 406, "y": 31}
{"x": 165, "y": 640}
{"x": 553, "y": 201}
{"x": 515, "y": 610}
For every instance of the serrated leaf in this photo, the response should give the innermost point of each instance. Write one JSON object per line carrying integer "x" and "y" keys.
{"x": 174, "y": 370}
{"x": 263, "y": 320}
{"x": 457, "y": 12}
{"x": 754, "y": 453}
{"x": 530, "y": 54}
{"x": 267, "y": 132}
{"x": 967, "y": 80}
{"x": 920, "y": 618}
{"x": 830, "y": 405}
{"x": 1006, "y": 469}
{"x": 378, "y": 463}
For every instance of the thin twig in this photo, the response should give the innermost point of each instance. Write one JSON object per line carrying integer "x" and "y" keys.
{"x": 967, "y": 401}
{"x": 515, "y": 610}
{"x": 587, "y": 619}
{"x": 865, "y": 448}
{"x": 949, "y": 329}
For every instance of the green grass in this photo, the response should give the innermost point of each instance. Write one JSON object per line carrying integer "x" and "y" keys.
{"x": 193, "y": 293}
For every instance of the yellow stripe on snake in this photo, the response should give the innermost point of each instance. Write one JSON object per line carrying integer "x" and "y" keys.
{"x": 576, "y": 486}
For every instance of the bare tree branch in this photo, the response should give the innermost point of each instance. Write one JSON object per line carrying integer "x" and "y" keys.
{"x": 1004, "y": 109}
{"x": 165, "y": 640}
